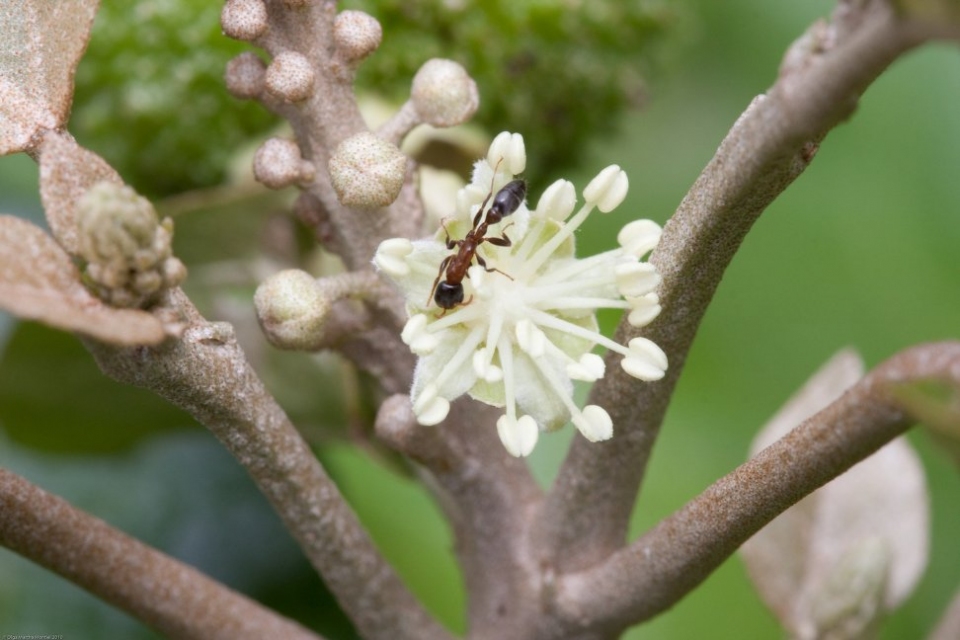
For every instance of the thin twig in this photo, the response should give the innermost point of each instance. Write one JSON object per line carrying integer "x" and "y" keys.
{"x": 654, "y": 572}
{"x": 766, "y": 150}
{"x": 164, "y": 593}
{"x": 206, "y": 374}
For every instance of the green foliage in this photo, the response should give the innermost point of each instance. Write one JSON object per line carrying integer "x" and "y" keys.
{"x": 150, "y": 96}
{"x": 557, "y": 72}
{"x": 181, "y": 493}
{"x": 91, "y": 414}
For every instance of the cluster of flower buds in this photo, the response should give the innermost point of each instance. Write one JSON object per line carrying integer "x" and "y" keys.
{"x": 127, "y": 250}
{"x": 366, "y": 170}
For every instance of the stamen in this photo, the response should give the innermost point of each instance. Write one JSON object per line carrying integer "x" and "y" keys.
{"x": 547, "y": 320}
{"x": 545, "y": 251}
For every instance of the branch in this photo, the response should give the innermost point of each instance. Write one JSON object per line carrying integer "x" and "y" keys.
{"x": 164, "y": 593}
{"x": 488, "y": 496}
{"x": 949, "y": 625}
{"x": 822, "y": 77}
{"x": 206, "y": 373}
{"x": 659, "y": 568}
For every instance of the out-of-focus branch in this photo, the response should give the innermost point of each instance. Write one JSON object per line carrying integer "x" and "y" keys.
{"x": 164, "y": 593}
{"x": 822, "y": 77}
{"x": 949, "y": 626}
{"x": 206, "y": 373}
{"x": 655, "y": 571}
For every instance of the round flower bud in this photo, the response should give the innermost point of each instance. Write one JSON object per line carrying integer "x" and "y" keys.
{"x": 290, "y": 77}
{"x": 357, "y": 34}
{"x": 244, "y": 19}
{"x": 292, "y": 310}
{"x": 367, "y": 172}
{"x": 244, "y": 75}
{"x": 444, "y": 94}
{"x": 277, "y": 164}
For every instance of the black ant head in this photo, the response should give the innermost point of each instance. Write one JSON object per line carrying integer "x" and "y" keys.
{"x": 448, "y": 295}
{"x": 507, "y": 200}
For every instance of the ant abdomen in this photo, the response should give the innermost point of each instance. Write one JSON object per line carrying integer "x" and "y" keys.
{"x": 448, "y": 295}
{"x": 507, "y": 200}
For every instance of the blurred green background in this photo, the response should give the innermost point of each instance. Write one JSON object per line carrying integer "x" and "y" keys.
{"x": 861, "y": 251}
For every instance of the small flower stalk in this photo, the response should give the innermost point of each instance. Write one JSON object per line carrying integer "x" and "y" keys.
{"x": 526, "y": 328}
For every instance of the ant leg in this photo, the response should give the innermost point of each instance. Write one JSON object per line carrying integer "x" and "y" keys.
{"x": 503, "y": 240}
{"x": 443, "y": 266}
{"x": 483, "y": 263}
{"x": 450, "y": 243}
{"x": 476, "y": 218}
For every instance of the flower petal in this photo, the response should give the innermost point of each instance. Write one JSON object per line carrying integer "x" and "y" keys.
{"x": 639, "y": 237}
{"x": 416, "y": 336}
{"x": 635, "y": 279}
{"x": 594, "y": 423}
{"x": 430, "y": 408}
{"x": 509, "y": 148}
{"x": 485, "y": 369}
{"x": 557, "y": 201}
{"x": 530, "y": 338}
{"x": 646, "y": 361}
{"x": 391, "y": 257}
{"x": 608, "y": 189}
{"x": 589, "y": 369}
{"x": 519, "y": 436}
{"x": 643, "y": 310}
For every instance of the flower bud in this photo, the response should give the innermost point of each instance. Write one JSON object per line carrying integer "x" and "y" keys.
{"x": 356, "y": 34}
{"x": 244, "y": 19}
{"x": 290, "y": 77}
{"x": 277, "y": 164}
{"x": 245, "y": 75}
{"x": 292, "y": 310}
{"x": 127, "y": 249}
{"x": 367, "y": 172}
{"x": 444, "y": 94}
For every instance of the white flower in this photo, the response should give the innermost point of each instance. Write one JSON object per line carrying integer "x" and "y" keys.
{"x": 527, "y": 324}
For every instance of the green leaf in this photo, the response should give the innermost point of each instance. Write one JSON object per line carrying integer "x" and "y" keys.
{"x": 53, "y": 397}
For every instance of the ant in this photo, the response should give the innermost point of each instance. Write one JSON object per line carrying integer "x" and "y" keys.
{"x": 449, "y": 293}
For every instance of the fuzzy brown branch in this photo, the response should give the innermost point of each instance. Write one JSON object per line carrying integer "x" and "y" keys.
{"x": 654, "y": 572}
{"x": 164, "y": 593}
{"x": 769, "y": 146}
{"x": 326, "y": 117}
{"x": 489, "y": 498}
{"x": 206, "y": 374}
